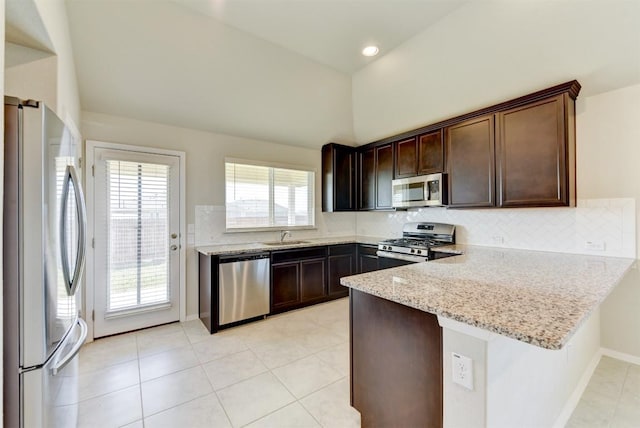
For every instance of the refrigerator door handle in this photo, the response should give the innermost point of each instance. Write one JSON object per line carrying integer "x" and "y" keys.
{"x": 72, "y": 283}
{"x": 59, "y": 364}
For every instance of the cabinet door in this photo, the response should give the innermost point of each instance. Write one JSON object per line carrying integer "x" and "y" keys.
{"x": 406, "y": 158}
{"x": 471, "y": 163}
{"x": 339, "y": 266}
{"x": 430, "y": 153}
{"x": 384, "y": 175}
{"x": 367, "y": 181}
{"x": 531, "y": 155}
{"x": 312, "y": 279}
{"x": 367, "y": 258}
{"x": 284, "y": 285}
{"x": 338, "y": 178}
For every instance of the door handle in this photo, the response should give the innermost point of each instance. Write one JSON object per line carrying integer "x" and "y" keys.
{"x": 59, "y": 365}
{"x": 174, "y": 247}
{"x": 174, "y": 235}
{"x": 72, "y": 282}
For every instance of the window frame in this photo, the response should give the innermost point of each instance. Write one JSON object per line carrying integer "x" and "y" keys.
{"x": 304, "y": 168}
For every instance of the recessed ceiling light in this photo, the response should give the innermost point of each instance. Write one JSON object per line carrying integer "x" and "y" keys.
{"x": 370, "y": 51}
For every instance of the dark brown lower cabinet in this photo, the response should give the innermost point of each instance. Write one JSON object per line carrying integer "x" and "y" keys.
{"x": 396, "y": 363}
{"x": 298, "y": 278}
{"x": 313, "y": 281}
{"x": 287, "y": 291}
{"x": 341, "y": 262}
{"x": 367, "y": 258}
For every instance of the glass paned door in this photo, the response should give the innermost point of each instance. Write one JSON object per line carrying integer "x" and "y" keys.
{"x": 137, "y": 240}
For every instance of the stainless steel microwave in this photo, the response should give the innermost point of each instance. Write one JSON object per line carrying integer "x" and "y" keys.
{"x": 421, "y": 191}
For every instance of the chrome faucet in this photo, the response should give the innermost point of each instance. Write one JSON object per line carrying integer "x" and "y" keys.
{"x": 284, "y": 234}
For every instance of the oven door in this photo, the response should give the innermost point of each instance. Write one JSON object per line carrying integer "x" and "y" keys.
{"x": 388, "y": 259}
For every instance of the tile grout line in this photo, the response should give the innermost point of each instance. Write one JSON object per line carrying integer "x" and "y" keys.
{"x": 139, "y": 380}
{"x": 617, "y": 405}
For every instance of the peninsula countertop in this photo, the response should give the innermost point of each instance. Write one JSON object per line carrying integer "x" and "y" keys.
{"x": 214, "y": 250}
{"x": 536, "y": 297}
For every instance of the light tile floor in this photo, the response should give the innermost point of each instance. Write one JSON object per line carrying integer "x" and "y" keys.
{"x": 611, "y": 399}
{"x": 290, "y": 370}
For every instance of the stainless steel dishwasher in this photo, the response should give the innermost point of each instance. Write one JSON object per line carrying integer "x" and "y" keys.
{"x": 243, "y": 287}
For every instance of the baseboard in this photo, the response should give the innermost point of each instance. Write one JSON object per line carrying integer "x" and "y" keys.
{"x": 620, "y": 356}
{"x": 574, "y": 399}
{"x": 191, "y": 317}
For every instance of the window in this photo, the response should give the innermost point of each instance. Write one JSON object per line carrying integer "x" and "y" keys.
{"x": 263, "y": 196}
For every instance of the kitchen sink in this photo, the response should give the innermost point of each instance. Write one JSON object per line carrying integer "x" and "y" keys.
{"x": 275, "y": 243}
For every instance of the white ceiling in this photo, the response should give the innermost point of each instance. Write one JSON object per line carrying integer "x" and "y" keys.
{"x": 290, "y": 71}
{"x": 274, "y": 70}
{"x": 331, "y": 32}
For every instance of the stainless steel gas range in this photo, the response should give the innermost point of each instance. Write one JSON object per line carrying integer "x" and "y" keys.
{"x": 416, "y": 245}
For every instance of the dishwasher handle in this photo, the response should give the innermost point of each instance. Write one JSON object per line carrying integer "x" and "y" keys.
{"x": 232, "y": 258}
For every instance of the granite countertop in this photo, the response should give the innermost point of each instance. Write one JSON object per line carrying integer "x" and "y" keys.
{"x": 536, "y": 297}
{"x": 214, "y": 250}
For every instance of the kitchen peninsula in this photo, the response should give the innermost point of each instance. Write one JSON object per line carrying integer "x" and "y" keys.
{"x": 528, "y": 320}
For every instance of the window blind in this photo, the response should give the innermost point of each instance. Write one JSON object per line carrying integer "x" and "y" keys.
{"x": 138, "y": 234}
{"x": 260, "y": 196}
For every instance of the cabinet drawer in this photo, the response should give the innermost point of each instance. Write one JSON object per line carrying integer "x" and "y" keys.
{"x": 297, "y": 254}
{"x": 341, "y": 249}
{"x": 370, "y": 250}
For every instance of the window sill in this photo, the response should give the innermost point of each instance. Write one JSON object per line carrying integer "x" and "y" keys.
{"x": 269, "y": 229}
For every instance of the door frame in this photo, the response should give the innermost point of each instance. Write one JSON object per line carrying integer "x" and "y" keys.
{"x": 89, "y": 182}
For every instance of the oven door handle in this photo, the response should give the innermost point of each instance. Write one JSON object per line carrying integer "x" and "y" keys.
{"x": 397, "y": 256}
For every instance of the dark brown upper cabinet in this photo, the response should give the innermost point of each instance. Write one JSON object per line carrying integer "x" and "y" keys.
{"x": 519, "y": 153}
{"x": 384, "y": 176}
{"x": 535, "y": 154}
{"x": 430, "y": 153}
{"x": 375, "y": 169}
{"x": 406, "y": 158}
{"x": 419, "y": 155}
{"x": 367, "y": 179}
{"x": 338, "y": 178}
{"x": 471, "y": 163}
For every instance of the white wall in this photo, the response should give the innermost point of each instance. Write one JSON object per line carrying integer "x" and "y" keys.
{"x": 488, "y": 52}
{"x": 608, "y": 152}
{"x": 54, "y": 17}
{"x": 166, "y": 63}
{"x": 31, "y": 74}
{"x": 205, "y": 153}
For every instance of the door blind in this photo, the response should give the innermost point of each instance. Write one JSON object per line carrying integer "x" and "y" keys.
{"x": 138, "y": 234}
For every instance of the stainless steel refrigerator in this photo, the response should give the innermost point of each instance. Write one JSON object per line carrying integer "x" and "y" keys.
{"x": 44, "y": 252}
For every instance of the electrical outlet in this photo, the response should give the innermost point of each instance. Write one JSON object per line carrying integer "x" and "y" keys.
{"x": 594, "y": 245}
{"x": 462, "y": 370}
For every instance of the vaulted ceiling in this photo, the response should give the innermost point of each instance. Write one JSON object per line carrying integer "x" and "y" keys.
{"x": 290, "y": 71}
{"x": 276, "y": 70}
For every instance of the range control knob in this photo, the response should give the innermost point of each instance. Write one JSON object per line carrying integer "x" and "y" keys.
{"x": 413, "y": 251}
{"x": 419, "y": 251}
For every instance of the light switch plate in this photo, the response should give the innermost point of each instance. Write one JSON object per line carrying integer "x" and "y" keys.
{"x": 462, "y": 370}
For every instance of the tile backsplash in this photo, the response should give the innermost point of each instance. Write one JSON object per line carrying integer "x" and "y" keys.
{"x": 608, "y": 222}
{"x": 611, "y": 222}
